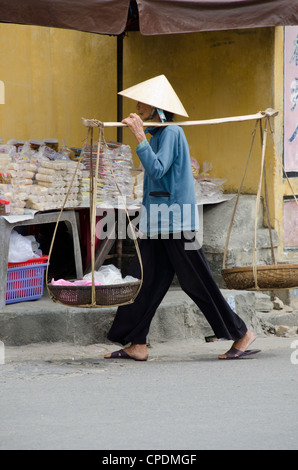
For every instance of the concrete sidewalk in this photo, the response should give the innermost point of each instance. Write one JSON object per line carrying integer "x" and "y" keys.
{"x": 177, "y": 318}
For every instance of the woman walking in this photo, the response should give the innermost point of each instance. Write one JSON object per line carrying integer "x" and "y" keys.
{"x": 169, "y": 222}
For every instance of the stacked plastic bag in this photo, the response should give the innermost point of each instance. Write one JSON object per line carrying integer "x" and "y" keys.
{"x": 84, "y": 193}
{"x": 37, "y": 179}
{"x": 22, "y": 179}
{"x": 21, "y": 248}
{"x": 138, "y": 178}
{"x": 207, "y": 187}
{"x": 6, "y": 154}
{"x": 53, "y": 179}
{"x": 17, "y": 178}
{"x": 106, "y": 275}
{"x": 119, "y": 157}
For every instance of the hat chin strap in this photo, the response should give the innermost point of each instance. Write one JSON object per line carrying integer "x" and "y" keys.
{"x": 160, "y": 113}
{"x": 152, "y": 114}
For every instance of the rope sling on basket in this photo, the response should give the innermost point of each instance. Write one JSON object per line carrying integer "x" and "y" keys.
{"x": 264, "y": 277}
{"x": 95, "y": 296}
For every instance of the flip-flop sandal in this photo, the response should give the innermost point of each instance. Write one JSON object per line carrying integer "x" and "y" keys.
{"x": 234, "y": 353}
{"x": 121, "y": 354}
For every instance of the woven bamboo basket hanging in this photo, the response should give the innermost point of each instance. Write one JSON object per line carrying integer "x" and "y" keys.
{"x": 95, "y": 296}
{"x": 259, "y": 277}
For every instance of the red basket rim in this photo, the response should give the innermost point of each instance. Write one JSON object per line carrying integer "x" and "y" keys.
{"x": 41, "y": 260}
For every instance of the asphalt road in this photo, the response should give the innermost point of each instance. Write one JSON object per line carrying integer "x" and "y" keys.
{"x": 63, "y": 397}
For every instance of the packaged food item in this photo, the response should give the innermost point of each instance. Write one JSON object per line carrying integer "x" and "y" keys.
{"x": 47, "y": 171}
{"x": 47, "y": 178}
{"x": 35, "y": 189}
{"x": 138, "y": 177}
{"x": 28, "y": 175}
{"x": 5, "y": 178}
{"x": 67, "y": 152}
{"x": 35, "y": 175}
{"x": 35, "y": 144}
{"x": 4, "y": 207}
{"x": 26, "y": 153}
{"x": 19, "y": 145}
{"x": 7, "y": 154}
{"x": 54, "y": 165}
{"x": 195, "y": 166}
{"x": 206, "y": 186}
{"x": 55, "y": 177}
{"x": 119, "y": 157}
{"x": 52, "y": 144}
{"x": 76, "y": 151}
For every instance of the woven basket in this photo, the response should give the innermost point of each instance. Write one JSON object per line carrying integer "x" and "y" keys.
{"x": 280, "y": 276}
{"x": 109, "y": 295}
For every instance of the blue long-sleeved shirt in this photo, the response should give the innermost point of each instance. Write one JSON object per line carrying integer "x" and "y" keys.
{"x": 169, "y": 200}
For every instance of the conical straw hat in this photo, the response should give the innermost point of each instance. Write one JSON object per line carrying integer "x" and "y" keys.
{"x": 157, "y": 92}
{"x": 2, "y": 94}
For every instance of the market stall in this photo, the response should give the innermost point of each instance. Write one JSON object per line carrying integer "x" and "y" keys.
{"x": 36, "y": 177}
{"x": 39, "y": 177}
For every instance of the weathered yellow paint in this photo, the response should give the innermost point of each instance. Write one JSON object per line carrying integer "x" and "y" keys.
{"x": 2, "y": 92}
{"x": 220, "y": 74}
{"x": 53, "y": 77}
{"x": 215, "y": 74}
{"x": 276, "y": 187}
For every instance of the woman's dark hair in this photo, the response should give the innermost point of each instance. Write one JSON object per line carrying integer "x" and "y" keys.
{"x": 169, "y": 116}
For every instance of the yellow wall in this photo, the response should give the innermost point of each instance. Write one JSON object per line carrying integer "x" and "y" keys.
{"x": 215, "y": 74}
{"x": 221, "y": 74}
{"x": 52, "y": 78}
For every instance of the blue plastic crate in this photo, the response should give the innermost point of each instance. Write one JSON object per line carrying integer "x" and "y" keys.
{"x": 25, "y": 283}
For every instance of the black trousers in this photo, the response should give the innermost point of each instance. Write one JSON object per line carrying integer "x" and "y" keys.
{"x": 162, "y": 258}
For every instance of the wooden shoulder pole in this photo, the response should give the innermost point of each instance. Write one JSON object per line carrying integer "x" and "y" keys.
{"x": 260, "y": 115}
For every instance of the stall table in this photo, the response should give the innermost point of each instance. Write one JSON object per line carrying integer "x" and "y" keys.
{"x": 7, "y": 224}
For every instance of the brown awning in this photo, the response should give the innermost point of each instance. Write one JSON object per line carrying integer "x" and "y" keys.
{"x": 154, "y": 16}
{"x": 187, "y": 16}
{"x": 94, "y": 16}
